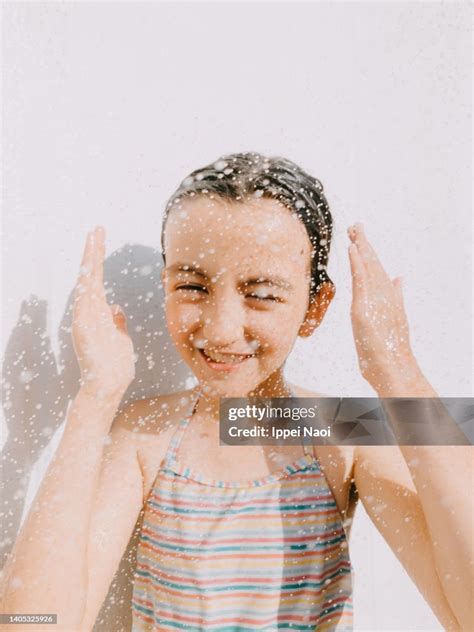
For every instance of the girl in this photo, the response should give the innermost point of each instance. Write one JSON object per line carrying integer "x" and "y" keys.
{"x": 257, "y": 542}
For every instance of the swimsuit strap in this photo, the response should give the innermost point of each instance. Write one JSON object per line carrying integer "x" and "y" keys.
{"x": 178, "y": 435}
{"x": 308, "y": 446}
{"x": 306, "y": 441}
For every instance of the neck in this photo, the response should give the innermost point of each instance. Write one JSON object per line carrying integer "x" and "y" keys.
{"x": 208, "y": 404}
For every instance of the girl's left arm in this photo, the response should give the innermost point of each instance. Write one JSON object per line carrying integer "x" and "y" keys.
{"x": 435, "y": 491}
{"x": 420, "y": 500}
{"x": 443, "y": 477}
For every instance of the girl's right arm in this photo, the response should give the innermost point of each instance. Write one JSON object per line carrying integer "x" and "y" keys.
{"x": 47, "y": 572}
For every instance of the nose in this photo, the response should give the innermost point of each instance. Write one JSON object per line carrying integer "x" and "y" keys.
{"x": 223, "y": 321}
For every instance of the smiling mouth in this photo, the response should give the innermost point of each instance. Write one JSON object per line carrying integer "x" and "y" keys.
{"x": 225, "y": 361}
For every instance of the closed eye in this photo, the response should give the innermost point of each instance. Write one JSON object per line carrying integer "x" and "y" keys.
{"x": 265, "y": 297}
{"x": 199, "y": 288}
{"x": 192, "y": 286}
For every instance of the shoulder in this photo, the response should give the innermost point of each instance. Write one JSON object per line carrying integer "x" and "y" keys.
{"x": 154, "y": 414}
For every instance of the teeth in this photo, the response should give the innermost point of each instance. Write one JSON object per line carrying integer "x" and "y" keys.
{"x": 230, "y": 359}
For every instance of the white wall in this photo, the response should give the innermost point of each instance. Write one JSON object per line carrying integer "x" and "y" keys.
{"x": 107, "y": 106}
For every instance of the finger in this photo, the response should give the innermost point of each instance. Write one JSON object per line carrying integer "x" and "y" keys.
{"x": 87, "y": 263}
{"x": 85, "y": 270}
{"x": 99, "y": 253}
{"x": 358, "y": 272}
{"x": 367, "y": 253}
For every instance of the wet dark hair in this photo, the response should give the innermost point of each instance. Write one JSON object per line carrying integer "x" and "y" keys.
{"x": 237, "y": 177}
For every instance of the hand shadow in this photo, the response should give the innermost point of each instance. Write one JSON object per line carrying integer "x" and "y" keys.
{"x": 37, "y": 388}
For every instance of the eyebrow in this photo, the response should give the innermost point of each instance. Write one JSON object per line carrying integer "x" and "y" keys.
{"x": 274, "y": 281}
{"x": 185, "y": 267}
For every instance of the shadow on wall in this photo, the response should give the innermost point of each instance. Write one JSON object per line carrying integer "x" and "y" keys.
{"x": 37, "y": 388}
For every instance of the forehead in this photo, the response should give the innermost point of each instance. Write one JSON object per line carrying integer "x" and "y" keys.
{"x": 256, "y": 231}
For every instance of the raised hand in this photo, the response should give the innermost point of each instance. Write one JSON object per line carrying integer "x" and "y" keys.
{"x": 379, "y": 321}
{"x": 101, "y": 342}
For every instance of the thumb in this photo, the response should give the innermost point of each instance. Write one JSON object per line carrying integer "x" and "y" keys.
{"x": 119, "y": 317}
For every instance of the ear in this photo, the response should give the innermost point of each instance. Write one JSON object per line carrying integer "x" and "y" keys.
{"x": 317, "y": 309}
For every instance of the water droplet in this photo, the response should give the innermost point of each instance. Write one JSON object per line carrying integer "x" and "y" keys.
{"x": 145, "y": 270}
{"x": 220, "y": 165}
{"x": 26, "y": 376}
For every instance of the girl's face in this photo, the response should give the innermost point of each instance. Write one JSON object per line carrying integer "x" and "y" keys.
{"x": 236, "y": 289}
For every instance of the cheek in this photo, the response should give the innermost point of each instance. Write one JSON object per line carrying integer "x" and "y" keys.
{"x": 276, "y": 330}
{"x": 181, "y": 318}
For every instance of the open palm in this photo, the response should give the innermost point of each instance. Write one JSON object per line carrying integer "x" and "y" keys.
{"x": 102, "y": 345}
{"x": 379, "y": 321}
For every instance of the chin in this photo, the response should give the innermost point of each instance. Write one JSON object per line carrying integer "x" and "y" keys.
{"x": 222, "y": 389}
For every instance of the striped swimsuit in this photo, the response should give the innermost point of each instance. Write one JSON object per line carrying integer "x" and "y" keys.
{"x": 265, "y": 554}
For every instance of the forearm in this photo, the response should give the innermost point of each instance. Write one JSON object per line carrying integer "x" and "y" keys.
{"x": 47, "y": 570}
{"x": 443, "y": 477}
